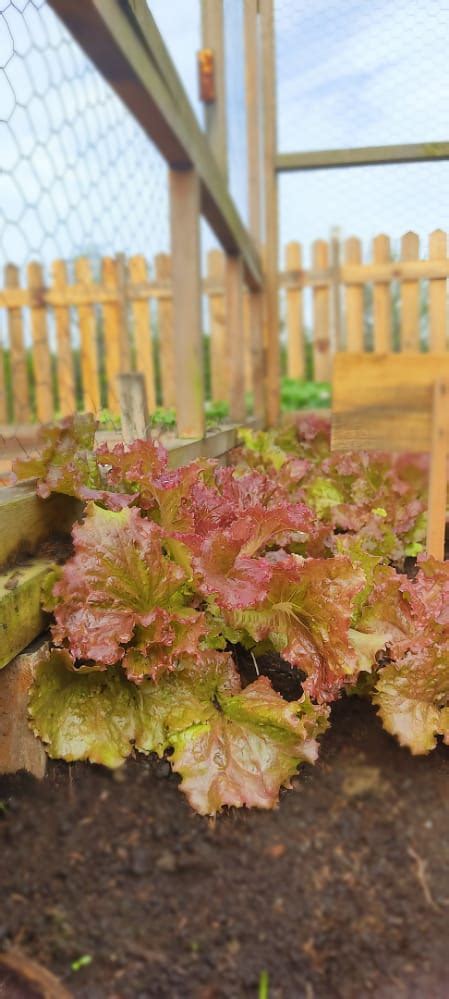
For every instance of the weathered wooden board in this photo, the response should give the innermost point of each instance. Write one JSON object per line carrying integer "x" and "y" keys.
{"x": 384, "y": 401}
{"x": 21, "y": 614}
{"x": 26, "y": 521}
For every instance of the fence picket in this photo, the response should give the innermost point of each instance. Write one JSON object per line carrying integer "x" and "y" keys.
{"x": 410, "y": 297}
{"x": 64, "y": 356}
{"x": 88, "y": 340}
{"x": 382, "y": 298}
{"x": 437, "y": 294}
{"x": 19, "y": 375}
{"x": 117, "y": 359}
{"x": 138, "y": 274}
{"x": 41, "y": 349}
{"x": 163, "y": 269}
{"x": 247, "y": 354}
{"x": 354, "y": 299}
{"x": 295, "y": 331}
{"x": 321, "y": 318}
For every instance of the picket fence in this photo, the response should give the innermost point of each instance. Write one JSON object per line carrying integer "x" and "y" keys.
{"x": 122, "y": 320}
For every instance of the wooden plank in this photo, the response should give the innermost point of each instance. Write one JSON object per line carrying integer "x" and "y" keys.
{"x": 409, "y": 297}
{"x": 235, "y": 333}
{"x": 218, "y": 330}
{"x": 21, "y": 614}
{"x": 214, "y": 445}
{"x": 142, "y": 329}
{"x": 354, "y": 299}
{"x": 384, "y": 401}
{"x": 437, "y": 294}
{"x": 247, "y": 345}
{"x": 336, "y": 289}
{"x": 41, "y": 349}
{"x": 19, "y": 748}
{"x": 212, "y": 30}
{"x": 436, "y": 522}
{"x": 3, "y": 399}
{"x": 64, "y": 356}
{"x": 133, "y": 407}
{"x": 396, "y": 270}
{"x": 88, "y": 341}
{"x": 271, "y": 303}
{"x": 122, "y": 39}
{"x": 19, "y": 374}
{"x": 382, "y": 298}
{"x": 321, "y": 330}
{"x": 163, "y": 266}
{"x": 362, "y": 156}
{"x": 253, "y": 117}
{"x": 295, "y": 329}
{"x": 26, "y": 520}
{"x": 185, "y": 239}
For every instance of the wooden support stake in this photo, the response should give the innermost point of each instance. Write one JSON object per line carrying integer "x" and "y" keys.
{"x": 337, "y": 324}
{"x": 186, "y": 263}
{"x": 235, "y": 336}
{"x": 321, "y": 325}
{"x": 19, "y": 375}
{"x": 88, "y": 340}
{"x": 41, "y": 349}
{"x": 64, "y": 357}
{"x": 438, "y": 470}
{"x": 295, "y": 331}
{"x": 437, "y": 294}
{"x": 165, "y": 326}
{"x": 138, "y": 273}
{"x": 133, "y": 407}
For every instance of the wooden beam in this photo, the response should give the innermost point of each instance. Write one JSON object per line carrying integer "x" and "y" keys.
{"x": 186, "y": 267}
{"x": 212, "y": 30}
{"x": 271, "y": 318}
{"x": 122, "y": 39}
{"x": 133, "y": 406}
{"x": 328, "y": 159}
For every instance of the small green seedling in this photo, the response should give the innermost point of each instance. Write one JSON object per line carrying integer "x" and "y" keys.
{"x": 81, "y": 962}
{"x": 264, "y": 985}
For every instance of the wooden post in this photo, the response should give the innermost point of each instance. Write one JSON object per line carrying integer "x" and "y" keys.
{"x": 321, "y": 339}
{"x": 3, "y": 400}
{"x": 186, "y": 263}
{"x": 257, "y": 349}
{"x": 19, "y": 375}
{"x": 116, "y": 340}
{"x": 235, "y": 335}
{"x": 133, "y": 406}
{"x": 438, "y": 470}
{"x": 354, "y": 300}
{"x": 219, "y": 352}
{"x": 212, "y": 29}
{"x": 88, "y": 340}
{"x": 437, "y": 293}
{"x": 410, "y": 297}
{"x": 382, "y": 298}
{"x": 271, "y": 318}
{"x": 41, "y": 350}
{"x": 295, "y": 331}
{"x": 64, "y": 357}
{"x": 138, "y": 273}
{"x": 247, "y": 351}
{"x": 163, "y": 269}
{"x": 337, "y": 326}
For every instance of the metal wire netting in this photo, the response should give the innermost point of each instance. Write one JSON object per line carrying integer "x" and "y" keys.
{"x": 235, "y": 103}
{"x": 78, "y": 175}
{"x": 352, "y": 74}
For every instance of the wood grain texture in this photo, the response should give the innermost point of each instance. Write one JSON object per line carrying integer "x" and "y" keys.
{"x": 354, "y": 299}
{"x": 116, "y": 339}
{"x": 26, "y": 520}
{"x": 143, "y": 342}
{"x": 384, "y": 401}
{"x": 218, "y": 330}
{"x": 436, "y": 522}
{"x": 235, "y": 336}
{"x": 271, "y": 300}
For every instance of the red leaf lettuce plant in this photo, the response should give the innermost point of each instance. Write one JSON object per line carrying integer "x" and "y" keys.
{"x": 173, "y": 572}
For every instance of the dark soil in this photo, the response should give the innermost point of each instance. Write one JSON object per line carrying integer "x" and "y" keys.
{"x": 343, "y": 891}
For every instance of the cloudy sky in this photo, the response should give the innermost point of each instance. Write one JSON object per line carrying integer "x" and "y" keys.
{"x": 77, "y": 175}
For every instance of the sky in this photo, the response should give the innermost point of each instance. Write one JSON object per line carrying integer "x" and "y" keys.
{"x": 77, "y": 175}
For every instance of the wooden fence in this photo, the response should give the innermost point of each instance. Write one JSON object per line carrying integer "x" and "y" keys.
{"x": 124, "y": 321}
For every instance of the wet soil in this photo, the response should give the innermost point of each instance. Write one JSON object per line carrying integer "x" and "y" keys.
{"x": 342, "y": 891}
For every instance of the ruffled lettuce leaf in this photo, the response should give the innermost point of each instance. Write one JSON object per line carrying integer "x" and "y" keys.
{"x": 66, "y": 463}
{"x": 117, "y": 577}
{"x": 412, "y": 697}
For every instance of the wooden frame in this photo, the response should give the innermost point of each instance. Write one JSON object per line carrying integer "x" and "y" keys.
{"x": 328, "y": 159}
